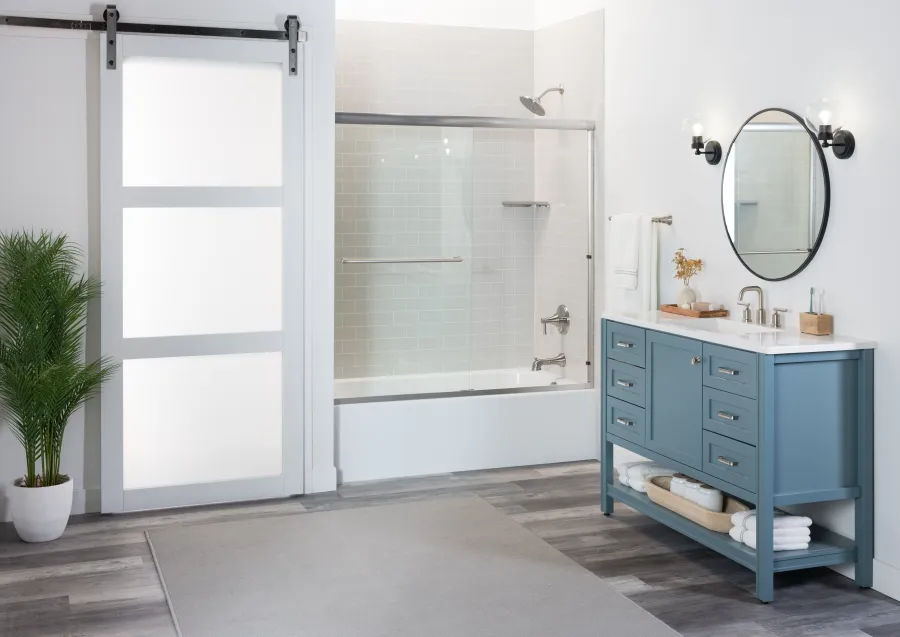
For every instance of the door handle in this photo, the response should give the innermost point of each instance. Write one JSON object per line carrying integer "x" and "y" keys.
{"x": 726, "y": 461}
{"x": 695, "y": 360}
{"x": 624, "y": 383}
{"x": 727, "y": 372}
{"x": 627, "y": 423}
{"x": 624, "y": 344}
{"x": 722, "y": 414}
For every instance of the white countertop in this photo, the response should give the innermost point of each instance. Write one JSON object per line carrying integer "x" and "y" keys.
{"x": 782, "y": 341}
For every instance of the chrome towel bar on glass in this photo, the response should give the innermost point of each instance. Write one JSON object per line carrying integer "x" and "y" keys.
{"x": 410, "y": 260}
{"x": 666, "y": 220}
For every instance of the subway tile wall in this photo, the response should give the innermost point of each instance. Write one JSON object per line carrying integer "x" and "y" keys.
{"x": 428, "y": 192}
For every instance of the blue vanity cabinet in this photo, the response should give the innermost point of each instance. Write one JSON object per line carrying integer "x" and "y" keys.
{"x": 771, "y": 429}
{"x": 674, "y": 398}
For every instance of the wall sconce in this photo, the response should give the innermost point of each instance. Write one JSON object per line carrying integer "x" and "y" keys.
{"x": 711, "y": 149}
{"x": 823, "y": 118}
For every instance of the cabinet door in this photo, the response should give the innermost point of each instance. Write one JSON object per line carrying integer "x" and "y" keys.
{"x": 675, "y": 398}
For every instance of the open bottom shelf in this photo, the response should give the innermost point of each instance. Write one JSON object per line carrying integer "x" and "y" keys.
{"x": 825, "y": 549}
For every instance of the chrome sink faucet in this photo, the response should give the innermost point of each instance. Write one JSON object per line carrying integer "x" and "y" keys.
{"x": 559, "y": 359}
{"x": 760, "y": 313}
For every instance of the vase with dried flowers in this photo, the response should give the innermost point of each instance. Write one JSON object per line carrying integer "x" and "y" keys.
{"x": 685, "y": 270}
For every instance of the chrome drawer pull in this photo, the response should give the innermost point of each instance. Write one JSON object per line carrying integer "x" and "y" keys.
{"x": 722, "y": 414}
{"x": 730, "y": 463}
{"x": 624, "y": 344}
{"x": 695, "y": 360}
{"x": 624, "y": 383}
{"x": 727, "y": 372}
{"x": 627, "y": 423}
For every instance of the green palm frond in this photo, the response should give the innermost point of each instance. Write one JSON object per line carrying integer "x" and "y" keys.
{"x": 43, "y": 318}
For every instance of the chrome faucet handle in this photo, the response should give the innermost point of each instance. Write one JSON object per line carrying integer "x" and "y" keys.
{"x": 560, "y": 319}
{"x": 776, "y": 316}
{"x": 747, "y": 315}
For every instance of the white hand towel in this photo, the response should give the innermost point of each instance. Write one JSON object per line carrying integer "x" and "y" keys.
{"x": 625, "y": 245}
{"x": 747, "y": 520}
{"x": 646, "y": 296}
{"x": 749, "y": 538}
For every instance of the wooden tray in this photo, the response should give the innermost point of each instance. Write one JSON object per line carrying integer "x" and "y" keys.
{"x": 658, "y": 492}
{"x": 674, "y": 309}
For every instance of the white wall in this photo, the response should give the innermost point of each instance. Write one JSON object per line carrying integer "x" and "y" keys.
{"x": 728, "y": 60}
{"x": 497, "y": 14}
{"x": 549, "y": 12}
{"x": 49, "y": 178}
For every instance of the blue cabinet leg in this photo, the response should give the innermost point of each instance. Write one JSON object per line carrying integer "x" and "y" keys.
{"x": 865, "y": 507}
{"x": 606, "y": 477}
{"x": 765, "y": 490}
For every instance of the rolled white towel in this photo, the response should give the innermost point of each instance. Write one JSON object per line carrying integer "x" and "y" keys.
{"x": 623, "y": 468}
{"x": 747, "y": 520}
{"x": 638, "y": 475}
{"x": 748, "y": 537}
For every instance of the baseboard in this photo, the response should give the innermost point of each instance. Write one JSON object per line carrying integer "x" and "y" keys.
{"x": 887, "y": 579}
{"x": 83, "y": 501}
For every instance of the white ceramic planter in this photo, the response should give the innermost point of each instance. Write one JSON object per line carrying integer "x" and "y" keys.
{"x": 40, "y": 514}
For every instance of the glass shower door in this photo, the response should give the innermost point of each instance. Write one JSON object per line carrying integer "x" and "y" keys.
{"x": 403, "y": 260}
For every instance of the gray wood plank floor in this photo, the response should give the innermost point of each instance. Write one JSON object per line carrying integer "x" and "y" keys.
{"x": 99, "y": 580}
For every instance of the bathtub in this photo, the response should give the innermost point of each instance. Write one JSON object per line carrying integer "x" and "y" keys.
{"x": 419, "y": 386}
{"x": 401, "y": 426}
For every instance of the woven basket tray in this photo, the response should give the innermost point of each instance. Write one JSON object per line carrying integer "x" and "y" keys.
{"x": 658, "y": 492}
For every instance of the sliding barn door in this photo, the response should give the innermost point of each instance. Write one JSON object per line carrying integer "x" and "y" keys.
{"x": 202, "y": 267}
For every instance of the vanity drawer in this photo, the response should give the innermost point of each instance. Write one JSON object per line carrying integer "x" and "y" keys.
{"x": 730, "y": 415}
{"x": 625, "y": 382}
{"x": 730, "y": 370}
{"x": 625, "y": 420}
{"x": 625, "y": 343}
{"x": 729, "y": 460}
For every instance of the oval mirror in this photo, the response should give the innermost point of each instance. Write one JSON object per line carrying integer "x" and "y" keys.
{"x": 775, "y": 194}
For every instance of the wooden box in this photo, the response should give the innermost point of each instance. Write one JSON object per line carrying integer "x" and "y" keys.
{"x": 816, "y": 324}
{"x": 658, "y": 492}
{"x": 674, "y": 309}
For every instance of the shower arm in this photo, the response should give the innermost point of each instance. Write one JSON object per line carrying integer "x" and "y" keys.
{"x": 559, "y": 89}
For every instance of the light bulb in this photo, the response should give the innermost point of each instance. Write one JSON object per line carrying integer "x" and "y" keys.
{"x": 824, "y": 112}
{"x": 693, "y": 124}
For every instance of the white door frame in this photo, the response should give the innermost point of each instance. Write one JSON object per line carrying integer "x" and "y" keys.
{"x": 307, "y": 462}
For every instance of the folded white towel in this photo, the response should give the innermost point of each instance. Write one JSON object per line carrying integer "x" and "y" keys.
{"x": 747, "y": 520}
{"x": 748, "y": 537}
{"x": 625, "y": 244}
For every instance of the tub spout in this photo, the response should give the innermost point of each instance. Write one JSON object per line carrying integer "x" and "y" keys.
{"x": 559, "y": 359}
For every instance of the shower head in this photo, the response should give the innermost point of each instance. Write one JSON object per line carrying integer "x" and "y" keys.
{"x": 534, "y": 105}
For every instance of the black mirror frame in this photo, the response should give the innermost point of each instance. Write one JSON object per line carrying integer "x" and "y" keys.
{"x": 827, "y": 184}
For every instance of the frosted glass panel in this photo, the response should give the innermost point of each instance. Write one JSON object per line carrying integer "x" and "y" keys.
{"x": 201, "y": 271}
{"x": 190, "y": 122}
{"x": 201, "y": 419}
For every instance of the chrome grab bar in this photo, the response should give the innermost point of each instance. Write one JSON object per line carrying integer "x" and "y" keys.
{"x": 409, "y": 260}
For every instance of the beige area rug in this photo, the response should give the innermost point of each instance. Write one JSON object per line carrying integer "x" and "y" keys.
{"x": 444, "y": 568}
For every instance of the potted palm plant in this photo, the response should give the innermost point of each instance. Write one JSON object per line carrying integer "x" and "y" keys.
{"x": 44, "y": 378}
